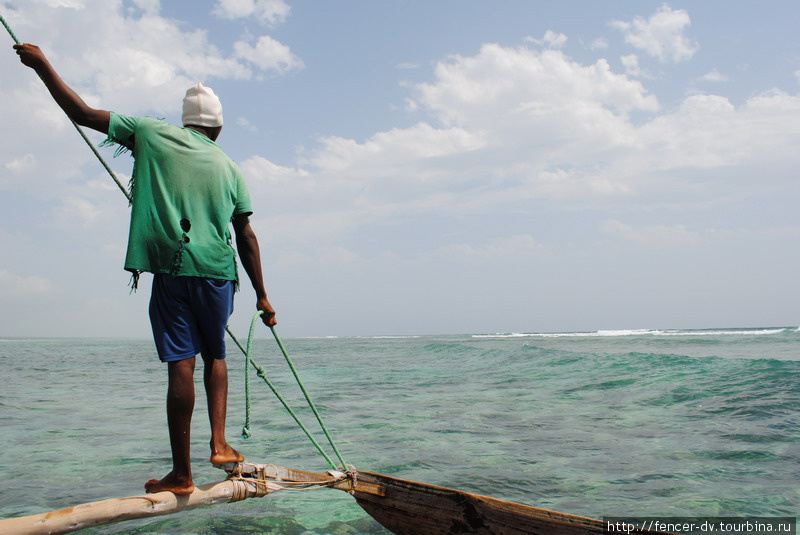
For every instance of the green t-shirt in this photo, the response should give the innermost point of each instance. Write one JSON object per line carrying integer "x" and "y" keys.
{"x": 185, "y": 192}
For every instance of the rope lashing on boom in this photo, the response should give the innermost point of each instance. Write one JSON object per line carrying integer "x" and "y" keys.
{"x": 262, "y": 479}
{"x": 247, "y": 352}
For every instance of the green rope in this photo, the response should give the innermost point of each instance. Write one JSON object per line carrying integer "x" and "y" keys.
{"x": 261, "y": 373}
{"x": 78, "y": 128}
{"x": 308, "y": 398}
{"x": 246, "y": 429}
{"x": 10, "y": 31}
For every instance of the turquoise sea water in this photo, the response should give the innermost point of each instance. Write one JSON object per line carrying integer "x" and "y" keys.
{"x": 625, "y": 423}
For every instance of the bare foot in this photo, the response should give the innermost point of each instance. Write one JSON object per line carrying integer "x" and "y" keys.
{"x": 171, "y": 483}
{"x": 224, "y": 455}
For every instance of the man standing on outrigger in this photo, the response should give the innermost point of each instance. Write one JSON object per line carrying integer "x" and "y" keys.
{"x": 186, "y": 191}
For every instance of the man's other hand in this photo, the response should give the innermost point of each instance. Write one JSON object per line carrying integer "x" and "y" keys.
{"x": 268, "y": 317}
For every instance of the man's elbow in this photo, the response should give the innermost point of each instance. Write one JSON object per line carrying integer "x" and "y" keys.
{"x": 91, "y": 118}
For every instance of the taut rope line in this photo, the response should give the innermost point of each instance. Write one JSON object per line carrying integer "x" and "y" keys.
{"x": 308, "y": 397}
{"x": 261, "y": 373}
{"x": 259, "y": 370}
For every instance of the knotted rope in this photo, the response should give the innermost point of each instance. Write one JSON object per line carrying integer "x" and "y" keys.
{"x": 261, "y": 373}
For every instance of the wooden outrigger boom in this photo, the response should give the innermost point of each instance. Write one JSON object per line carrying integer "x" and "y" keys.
{"x": 403, "y": 507}
{"x": 114, "y": 510}
{"x": 245, "y": 481}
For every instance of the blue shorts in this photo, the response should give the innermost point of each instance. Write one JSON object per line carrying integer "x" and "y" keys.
{"x": 189, "y": 316}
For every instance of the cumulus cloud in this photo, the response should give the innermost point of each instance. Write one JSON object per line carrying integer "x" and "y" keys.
{"x": 268, "y": 55}
{"x": 715, "y": 76}
{"x": 258, "y": 169}
{"x": 632, "y": 68}
{"x": 266, "y": 11}
{"x": 510, "y": 125}
{"x": 245, "y": 123}
{"x": 708, "y": 131}
{"x": 149, "y": 6}
{"x": 599, "y": 44}
{"x": 77, "y": 210}
{"x": 501, "y": 87}
{"x": 386, "y": 151}
{"x": 515, "y": 125}
{"x": 661, "y": 35}
{"x": 551, "y": 39}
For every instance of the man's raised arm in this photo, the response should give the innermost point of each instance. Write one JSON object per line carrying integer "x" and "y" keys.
{"x": 73, "y": 105}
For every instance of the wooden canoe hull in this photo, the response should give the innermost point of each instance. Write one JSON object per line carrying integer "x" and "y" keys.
{"x": 411, "y": 508}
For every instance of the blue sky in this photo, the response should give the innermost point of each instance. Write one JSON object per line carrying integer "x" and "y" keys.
{"x": 428, "y": 167}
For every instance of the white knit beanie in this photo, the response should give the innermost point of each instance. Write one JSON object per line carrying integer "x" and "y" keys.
{"x": 201, "y": 107}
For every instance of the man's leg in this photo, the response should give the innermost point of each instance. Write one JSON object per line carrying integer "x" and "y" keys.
{"x": 215, "y": 378}
{"x": 180, "y": 404}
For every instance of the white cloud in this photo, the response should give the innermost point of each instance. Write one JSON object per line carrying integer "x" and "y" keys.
{"x": 258, "y": 169}
{"x": 551, "y": 39}
{"x": 517, "y": 125}
{"x": 13, "y": 285}
{"x": 246, "y": 124}
{"x": 707, "y": 131}
{"x": 661, "y": 35}
{"x": 385, "y": 152}
{"x": 715, "y": 76}
{"x": 266, "y": 11}
{"x": 149, "y": 6}
{"x": 501, "y": 87}
{"x": 77, "y": 210}
{"x": 599, "y": 44}
{"x": 268, "y": 54}
{"x": 632, "y": 68}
